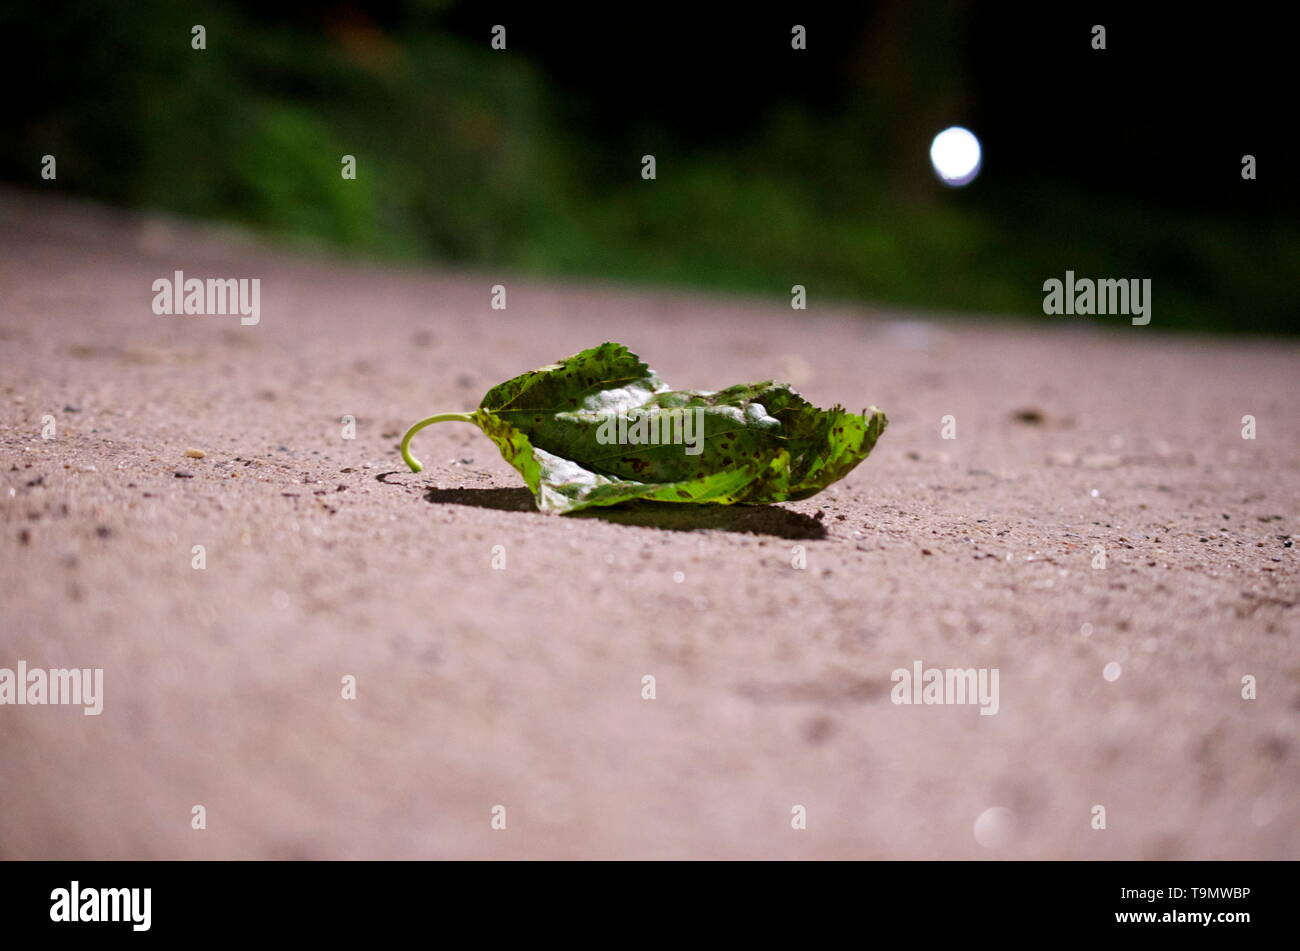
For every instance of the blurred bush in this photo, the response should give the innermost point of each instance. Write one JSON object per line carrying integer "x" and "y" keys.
{"x": 470, "y": 157}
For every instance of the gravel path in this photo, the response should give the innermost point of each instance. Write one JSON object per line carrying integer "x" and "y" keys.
{"x": 523, "y": 687}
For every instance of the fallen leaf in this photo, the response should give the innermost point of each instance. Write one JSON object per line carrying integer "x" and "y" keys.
{"x": 576, "y": 431}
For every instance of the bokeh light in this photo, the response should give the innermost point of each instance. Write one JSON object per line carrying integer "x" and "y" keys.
{"x": 956, "y": 156}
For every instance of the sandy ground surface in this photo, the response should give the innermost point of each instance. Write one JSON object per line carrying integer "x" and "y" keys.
{"x": 522, "y": 687}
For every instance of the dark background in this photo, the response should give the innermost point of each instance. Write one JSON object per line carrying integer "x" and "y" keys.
{"x": 775, "y": 166}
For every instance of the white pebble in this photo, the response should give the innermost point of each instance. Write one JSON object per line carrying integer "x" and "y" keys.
{"x": 995, "y": 827}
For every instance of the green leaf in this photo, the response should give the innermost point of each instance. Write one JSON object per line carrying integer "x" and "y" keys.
{"x": 601, "y": 428}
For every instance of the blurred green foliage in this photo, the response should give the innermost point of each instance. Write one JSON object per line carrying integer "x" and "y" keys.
{"x": 463, "y": 157}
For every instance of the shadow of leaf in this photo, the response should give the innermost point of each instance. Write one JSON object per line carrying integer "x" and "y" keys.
{"x": 754, "y": 519}
{"x": 509, "y": 500}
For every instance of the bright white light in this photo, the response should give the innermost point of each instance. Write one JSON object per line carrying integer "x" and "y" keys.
{"x": 955, "y": 154}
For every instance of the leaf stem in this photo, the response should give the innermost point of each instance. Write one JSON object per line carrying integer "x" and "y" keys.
{"x": 411, "y": 461}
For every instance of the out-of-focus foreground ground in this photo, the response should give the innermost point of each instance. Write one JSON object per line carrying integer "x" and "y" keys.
{"x": 522, "y": 687}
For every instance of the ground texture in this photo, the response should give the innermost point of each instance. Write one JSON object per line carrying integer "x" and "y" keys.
{"x": 522, "y": 687}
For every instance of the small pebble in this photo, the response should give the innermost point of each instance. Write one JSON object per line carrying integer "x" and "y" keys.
{"x": 195, "y": 453}
{"x": 995, "y": 828}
